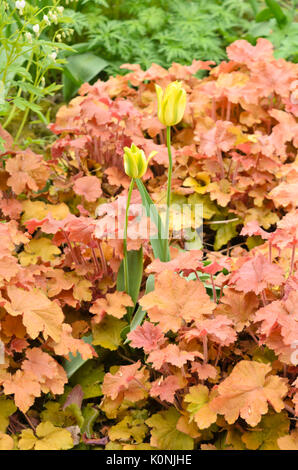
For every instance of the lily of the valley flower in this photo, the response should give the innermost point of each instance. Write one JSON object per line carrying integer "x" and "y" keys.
{"x": 171, "y": 103}
{"x": 135, "y": 161}
{"x": 36, "y": 28}
{"x": 20, "y": 5}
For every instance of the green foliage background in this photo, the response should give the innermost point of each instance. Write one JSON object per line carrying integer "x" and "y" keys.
{"x": 166, "y": 31}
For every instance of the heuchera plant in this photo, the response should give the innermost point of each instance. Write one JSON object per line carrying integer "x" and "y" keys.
{"x": 205, "y": 356}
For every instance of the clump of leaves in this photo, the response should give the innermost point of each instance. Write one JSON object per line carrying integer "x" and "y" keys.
{"x": 205, "y": 356}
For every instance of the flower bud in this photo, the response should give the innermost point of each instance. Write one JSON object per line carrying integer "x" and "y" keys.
{"x": 36, "y": 28}
{"x": 171, "y": 103}
{"x": 20, "y": 5}
{"x": 135, "y": 162}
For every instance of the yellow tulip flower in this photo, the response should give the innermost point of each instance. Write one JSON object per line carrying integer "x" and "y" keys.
{"x": 135, "y": 161}
{"x": 171, "y": 103}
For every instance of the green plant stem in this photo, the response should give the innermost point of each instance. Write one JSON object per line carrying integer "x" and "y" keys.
{"x": 125, "y": 260}
{"x": 22, "y": 123}
{"x": 170, "y": 170}
{"x": 12, "y": 111}
{"x": 31, "y": 100}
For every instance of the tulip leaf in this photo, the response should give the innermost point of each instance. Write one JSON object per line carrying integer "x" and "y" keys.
{"x": 135, "y": 273}
{"x": 80, "y": 68}
{"x": 75, "y": 362}
{"x": 158, "y": 244}
{"x": 277, "y": 12}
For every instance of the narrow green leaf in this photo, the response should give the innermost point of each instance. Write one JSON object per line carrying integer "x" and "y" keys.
{"x": 80, "y": 68}
{"x": 135, "y": 273}
{"x": 277, "y": 12}
{"x": 151, "y": 211}
{"x": 140, "y": 313}
{"x": 75, "y": 362}
{"x": 264, "y": 15}
{"x": 90, "y": 414}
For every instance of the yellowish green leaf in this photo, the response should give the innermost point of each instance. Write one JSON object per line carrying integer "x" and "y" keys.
{"x": 6, "y": 442}
{"x": 48, "y": 437}
{"x": 264, "y": 436}
{"x": 38, "y": 248}
{"x": 198, "y": 407}
{"x": 7, "y": 408}
{"x": 164, "y": 433}
{"x": 107, "y": 333}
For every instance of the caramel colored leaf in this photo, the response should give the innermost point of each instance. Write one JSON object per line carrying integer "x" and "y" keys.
{"x": 39, "y": 313}
{"x": 247, "y": 391}
{"x": 289, "y": 442}
{"x": 164, "y": 433}
{"x": 113, "y": 304}
{"x": 175, "y": 301}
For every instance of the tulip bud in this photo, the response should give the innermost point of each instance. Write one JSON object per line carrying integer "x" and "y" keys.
{"x": 135, "y": 162}
{"x": 171, "y": 103}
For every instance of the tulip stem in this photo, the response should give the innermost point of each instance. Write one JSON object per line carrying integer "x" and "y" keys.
{"x": 125, "y": 259}
{"x": 169, "y": 186}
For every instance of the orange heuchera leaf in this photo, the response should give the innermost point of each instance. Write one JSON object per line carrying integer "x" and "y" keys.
{"x": 175, "y": 301}
{"x": 148, "y": 336}
{"x": 171, "y": 354}
{"x": 50, "y": 375}
{"x": 239, "y": 307}
{"x": 243, "y": 52}
{"x": 13, "y": 326}
{"x": 39, "y": 313}
{"x": 10, "y": 236}
{"x": 128, "y": 383}
{"x": 27, "y": 169}
{"x": 58, "y": 280}
{"x": 274, "y": 315}
{"x": 187, "y": 261}
{"x": 257, "y": 274}
{"x": 277, "y": 314}
{"x": 25, "y": 388}
{"x": 113, "y": 304}
{"x": 289, "y": 226}
{"x": 218, "y": 329}
{"x": 89, "y": 187}
{"x": 55, "y": 385}
{"x": 217, "y": 138}
{"x": 253, "y": 228}
{"x": 287, "y": 129}
{"x": 69, "y": 344}
{"x": 82, "y": 290}
{"x": 279, "y": 327}
{"x": 166, "y": 388}
{"x": 285, "y": 194}
{"x": 9, "y": 267}
{"x": 11, "y": 208}
{"x": 39, "y": 364}
{"x": 247, "y": 391}
{"x": 289, "y": 442}
{"x": 204, "y": 371}
{"x": 117, "y": 177}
